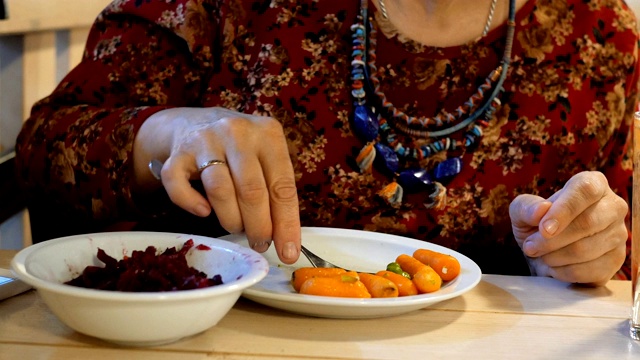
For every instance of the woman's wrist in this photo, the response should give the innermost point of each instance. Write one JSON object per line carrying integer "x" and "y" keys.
{"x": 153, "y": 142}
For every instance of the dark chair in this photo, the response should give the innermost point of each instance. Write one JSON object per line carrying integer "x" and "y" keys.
{"x": 12, "y": 198}
{"x": 3, "y": 10}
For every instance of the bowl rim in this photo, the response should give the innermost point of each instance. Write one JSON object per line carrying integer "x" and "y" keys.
{"x": 259, "y": 267}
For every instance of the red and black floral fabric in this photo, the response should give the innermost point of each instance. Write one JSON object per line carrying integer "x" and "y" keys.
{"x": 568, "y": 104}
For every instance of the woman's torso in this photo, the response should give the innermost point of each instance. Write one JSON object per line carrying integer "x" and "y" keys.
{"x": 292, "y": 62}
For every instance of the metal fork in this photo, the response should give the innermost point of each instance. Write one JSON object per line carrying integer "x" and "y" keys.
{"x": 316, "y": 260}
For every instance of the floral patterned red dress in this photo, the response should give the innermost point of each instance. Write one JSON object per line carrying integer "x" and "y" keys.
{"x": 568, "y": 103}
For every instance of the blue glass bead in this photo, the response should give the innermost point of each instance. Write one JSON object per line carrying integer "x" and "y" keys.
{"x": 448, "y": 169}
{"x": 389, "y": 157}
{"x": 366, "y": 122}
{"x": 469, "y": 140}
{"x": 415, "y": 180}
{"x": 489, "y": 112}
{"x": 358, "y": 93}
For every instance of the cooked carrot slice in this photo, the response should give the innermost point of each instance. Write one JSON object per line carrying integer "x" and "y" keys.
{"x": 300, "y": 275}
{"x": 406, "y": 287}
{"x": 378, "y": 286}
{"x": 427, "y": 280}
{"x": 447, "y": 266}
{"x": 423, "y": 276}
{"x": 343, "y": 285}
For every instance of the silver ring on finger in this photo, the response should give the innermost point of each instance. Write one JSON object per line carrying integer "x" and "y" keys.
{"x": 206, "y": 164}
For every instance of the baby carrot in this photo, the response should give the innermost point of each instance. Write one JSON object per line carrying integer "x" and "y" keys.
{"x": 343, "y": 285}
{"x": 409, "y": 264}
{"x": 447, "y": 266}
{"x": 378, "y": 286}
{"x": 405, "y": 286}
{"x": 302, "y": 274}
{"x": 427, "y": 280}
{"x": 423, "y": 276}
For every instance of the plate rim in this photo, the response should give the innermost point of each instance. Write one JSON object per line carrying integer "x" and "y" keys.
{"x": 469, "y": 282}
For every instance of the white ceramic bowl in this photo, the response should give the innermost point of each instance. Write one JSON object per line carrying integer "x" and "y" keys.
{"x": 137, "y": 319}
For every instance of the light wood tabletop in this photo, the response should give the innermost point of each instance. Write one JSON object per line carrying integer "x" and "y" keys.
{"x": 504, "y": 317}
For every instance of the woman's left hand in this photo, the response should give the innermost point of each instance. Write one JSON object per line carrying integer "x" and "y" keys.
{"x": 578, "y": 235}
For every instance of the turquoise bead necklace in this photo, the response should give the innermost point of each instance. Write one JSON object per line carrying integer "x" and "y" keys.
{"x": 379, "y": 125}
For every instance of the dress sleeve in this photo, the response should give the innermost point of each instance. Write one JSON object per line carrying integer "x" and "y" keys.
{"x": 75, "y": 149}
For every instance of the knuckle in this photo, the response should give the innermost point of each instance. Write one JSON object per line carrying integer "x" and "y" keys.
{"x": 576, "y": 274}
{"x": 572, "y": 273}
{"x": 271, "y": 125}
{"x": 586, "y": 222}
{"x": 284, "y": 190}
{"x": 234, "y": 127}
{"x": 621, "y": 206}
{"x": 619, "y": 255}
{"x": 567, "y": 212}
{"x": 271, "y": 129}
{"x": 252, "y": 192}
{"x": 166, "y": 173}
{"x": 621, "y": 236}
{"x": 591, "y": 185}
{"x": 250, "y": 130}
{"x": 515, "y": 207}
{"x": 578, "y": 250}
{"x": 218, "y": 191}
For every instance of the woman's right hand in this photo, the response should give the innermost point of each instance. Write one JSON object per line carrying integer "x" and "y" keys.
{"x": 254, "y": 192}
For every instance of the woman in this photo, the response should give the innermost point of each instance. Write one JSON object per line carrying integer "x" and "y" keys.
{"x": 502, "y": 127}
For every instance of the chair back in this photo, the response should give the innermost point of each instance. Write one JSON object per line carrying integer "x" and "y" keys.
{"x": 40, "y": 41}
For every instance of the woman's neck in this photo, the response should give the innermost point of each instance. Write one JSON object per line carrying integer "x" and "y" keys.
{"x": 444, "y": 23}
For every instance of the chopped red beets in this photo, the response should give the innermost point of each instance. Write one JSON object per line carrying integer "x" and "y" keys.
{"x": 146, "y": 271}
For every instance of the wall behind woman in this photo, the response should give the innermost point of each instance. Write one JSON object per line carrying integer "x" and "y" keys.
{"x": 635, "y": 6}
{"x": 40, "y": 41}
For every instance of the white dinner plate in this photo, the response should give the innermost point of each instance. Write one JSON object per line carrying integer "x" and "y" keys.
{"x": 358, "y": 250}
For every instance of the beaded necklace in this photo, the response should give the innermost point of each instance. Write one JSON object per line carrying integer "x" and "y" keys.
{"x": 379, "y": 126}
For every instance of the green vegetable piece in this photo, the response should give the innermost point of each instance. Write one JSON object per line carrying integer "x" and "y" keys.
{"x": 395, "y": 268}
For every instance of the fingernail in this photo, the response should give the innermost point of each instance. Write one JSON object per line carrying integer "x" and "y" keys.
{"x": 261, "y": 246}
{"x": 551, "y": 226}
{"x": 529, "y": 248}
{"x": 290, "y": 251}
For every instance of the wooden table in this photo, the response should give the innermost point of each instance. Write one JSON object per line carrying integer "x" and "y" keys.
{"x": 504, "y": 317}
